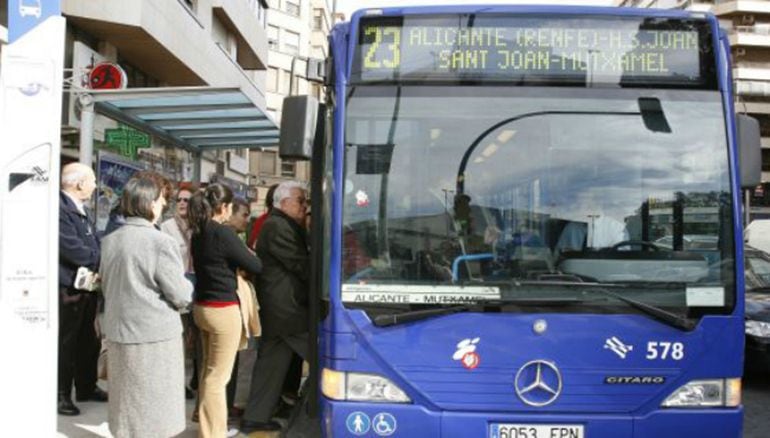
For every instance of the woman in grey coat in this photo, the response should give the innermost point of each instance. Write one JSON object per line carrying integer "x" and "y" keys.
{"x": 144, "y": 288}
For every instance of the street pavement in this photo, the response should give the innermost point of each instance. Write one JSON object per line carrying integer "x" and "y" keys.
{"x": 92, "y": 423}
{"x": 756, "y": 401}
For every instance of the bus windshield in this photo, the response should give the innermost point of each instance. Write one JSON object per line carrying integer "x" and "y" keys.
{"x": 513, "y": 192}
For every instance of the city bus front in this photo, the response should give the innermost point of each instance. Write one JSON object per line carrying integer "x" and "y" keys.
{"x": 532, "y": 227}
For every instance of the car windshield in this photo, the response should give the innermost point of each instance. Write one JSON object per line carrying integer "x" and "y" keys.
{"x": 472, "y": 190}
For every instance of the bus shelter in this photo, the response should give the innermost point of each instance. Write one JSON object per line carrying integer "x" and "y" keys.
{"x": 195, "y": 119}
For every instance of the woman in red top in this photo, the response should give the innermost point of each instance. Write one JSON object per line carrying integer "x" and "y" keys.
{"x": 217, "y": 254}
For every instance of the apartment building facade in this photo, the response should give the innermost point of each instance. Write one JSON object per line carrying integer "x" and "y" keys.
{"x": 747, "y": 23}
{"x": 297, "y": 33}
{"x": 219, "y": 43}
{"x": 163, "y": 43}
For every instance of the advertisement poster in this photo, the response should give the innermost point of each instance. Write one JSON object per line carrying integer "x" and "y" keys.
{"x": 113, "y": 172}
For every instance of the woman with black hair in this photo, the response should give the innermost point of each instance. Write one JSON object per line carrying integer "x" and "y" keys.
{"x": 217, "y": 254}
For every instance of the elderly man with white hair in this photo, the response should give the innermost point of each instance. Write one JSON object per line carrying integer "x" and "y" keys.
{"x": 283, "y": 299}
{"x": 78, "y": 248}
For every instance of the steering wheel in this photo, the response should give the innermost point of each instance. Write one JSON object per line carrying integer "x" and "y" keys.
{"x": 641, "y": 243}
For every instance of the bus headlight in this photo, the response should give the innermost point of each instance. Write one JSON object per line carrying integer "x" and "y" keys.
{"x": 706, "y": 393}
{"x": 758, "y": 328}
{"x": 340, "y": 385}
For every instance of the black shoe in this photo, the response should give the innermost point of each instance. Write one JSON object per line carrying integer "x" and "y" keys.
{"x": 66, "y": 407}
{"x": 258, "y": 426}
{"x": 97, "y": 395}
{"x": 188, "y": 393}
{"x": 234, "y": 413}
{"x": 283, "y": 410}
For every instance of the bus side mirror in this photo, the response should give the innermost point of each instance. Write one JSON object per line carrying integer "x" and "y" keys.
{"x": 749, "y": 151}
{"x": 298, "y": 127}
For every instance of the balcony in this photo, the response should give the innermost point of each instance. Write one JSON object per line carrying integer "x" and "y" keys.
{"x": 239, "y": 17}
{"x": 754, "y": 107}
{"x": 757, "y": 35}
{"x": 733, "y": 7}
{"x": 752, "y": 88}
{"x": 752, "y": 71}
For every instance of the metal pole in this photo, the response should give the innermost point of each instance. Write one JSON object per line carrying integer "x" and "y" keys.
{"x": 196, "y": 170}
{"x": 747, "y": 208}
{"x": 87, "y": 115}
{"x": 291, "y": 75}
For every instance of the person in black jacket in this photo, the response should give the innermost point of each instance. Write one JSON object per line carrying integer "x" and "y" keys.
{"x": 78, "y": 248}
{"x": 217, "y": 254}
{"x": 283, "y": 297}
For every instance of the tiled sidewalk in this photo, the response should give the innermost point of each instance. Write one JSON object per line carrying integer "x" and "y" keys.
{"x": 92, "y": 422}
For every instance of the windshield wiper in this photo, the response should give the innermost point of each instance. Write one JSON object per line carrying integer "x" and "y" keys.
{"x": 672, "y": 319}
{"x": 416, "y": 315}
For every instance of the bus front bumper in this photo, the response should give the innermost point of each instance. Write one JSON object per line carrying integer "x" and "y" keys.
{"x": 341, "y": 419}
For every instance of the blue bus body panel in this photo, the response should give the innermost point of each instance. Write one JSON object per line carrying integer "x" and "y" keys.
{"x": 414, "y": 421}
{"x": 453, "y": 400}
{"x": 726, "y": 88}
{"x": 450, "y": 400}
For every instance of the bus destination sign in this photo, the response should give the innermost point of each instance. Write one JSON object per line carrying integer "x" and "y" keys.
{"x": 526, "y": 49}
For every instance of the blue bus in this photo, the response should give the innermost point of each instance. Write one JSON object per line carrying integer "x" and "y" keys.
{"x": 507, "y": 241}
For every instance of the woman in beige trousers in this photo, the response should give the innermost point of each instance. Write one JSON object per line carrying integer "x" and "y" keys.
{"x": 217, "y": 254}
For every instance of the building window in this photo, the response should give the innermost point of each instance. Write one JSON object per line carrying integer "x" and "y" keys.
{"x": 291, "y": 7}
{"x": 190, "y": 4}
{"x": 267, "y": 163}
{"x": 136, "y": 77}
{"x": 259, "y": 7}
{"x": 272, "y": 37}
{"x": 260, "y": 14}
{"x": 241, "y": 152}
{"x": 285, "y": 82}
{"x": 288, "y": 168}
{"x": 272, "y": 80}
{"x": 318, "y": 19}
{"x": 291, "y": 42}
{"x": 221, "y": 36}
{"x": 765, "y": 160}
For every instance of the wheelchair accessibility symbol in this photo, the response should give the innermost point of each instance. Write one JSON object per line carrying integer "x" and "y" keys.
{"x": 358, "y": 423}
{"x": 384, "y": 424}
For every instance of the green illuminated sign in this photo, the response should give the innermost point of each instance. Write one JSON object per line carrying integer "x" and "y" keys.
{"x": 126, "y": 140}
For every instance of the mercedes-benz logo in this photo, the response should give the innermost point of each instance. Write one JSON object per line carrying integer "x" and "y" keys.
{"x": 538, "y": 383}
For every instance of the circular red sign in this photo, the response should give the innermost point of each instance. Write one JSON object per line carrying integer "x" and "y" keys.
{"x": 107, "y": 76}
{"x": 470, "y": 360}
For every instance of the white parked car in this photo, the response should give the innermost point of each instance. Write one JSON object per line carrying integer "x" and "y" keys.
{"x": 757, "y": 234}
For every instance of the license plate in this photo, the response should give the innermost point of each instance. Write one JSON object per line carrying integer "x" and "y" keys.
{"x": 499, "y": 430}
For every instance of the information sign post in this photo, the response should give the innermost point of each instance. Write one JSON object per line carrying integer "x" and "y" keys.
{"x": 30, "y": 118}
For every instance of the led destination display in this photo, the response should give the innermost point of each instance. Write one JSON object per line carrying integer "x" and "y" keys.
{"x": 597, "y": 50}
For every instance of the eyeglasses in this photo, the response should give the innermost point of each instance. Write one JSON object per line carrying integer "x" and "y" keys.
{"x": 182, "y": 200}
{"x": 300, "y": 200}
